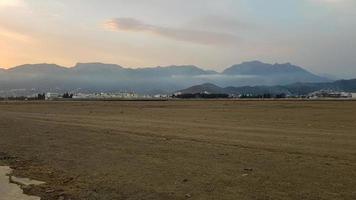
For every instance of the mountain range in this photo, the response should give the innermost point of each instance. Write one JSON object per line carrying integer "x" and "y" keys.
{"x": 290, "y": 89}
{"x": 99, "y": 77}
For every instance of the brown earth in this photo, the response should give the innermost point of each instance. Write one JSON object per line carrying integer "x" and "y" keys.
{"x": 183, "y": 149}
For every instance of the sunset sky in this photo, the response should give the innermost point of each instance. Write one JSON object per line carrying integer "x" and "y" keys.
{"x": 319, "y": 35}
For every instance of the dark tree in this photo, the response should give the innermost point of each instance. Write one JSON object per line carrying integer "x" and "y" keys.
{"x": 41, "y": 96}
{"x": 67, "y": 95}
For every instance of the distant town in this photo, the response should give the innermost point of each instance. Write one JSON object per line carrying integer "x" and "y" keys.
{"x": 51, "y": 96}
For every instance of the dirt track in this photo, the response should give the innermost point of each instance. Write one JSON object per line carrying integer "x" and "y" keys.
{"x": 183, "y": 149}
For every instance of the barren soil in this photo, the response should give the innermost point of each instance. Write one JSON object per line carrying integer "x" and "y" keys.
{"x": 208, "y": 150}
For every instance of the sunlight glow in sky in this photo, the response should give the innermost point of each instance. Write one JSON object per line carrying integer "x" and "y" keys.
{"x": 319, "y": 35}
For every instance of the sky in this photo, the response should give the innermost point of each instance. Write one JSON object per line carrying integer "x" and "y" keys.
{"x": 319, "y": 35}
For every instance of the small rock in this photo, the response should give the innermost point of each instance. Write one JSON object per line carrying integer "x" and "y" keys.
{"x": 25, "y": 187}
{"x": 61, "y": 198}
{"x": 185, "y": 180}
{"x": 188, "y": 195}
{"x": 244, "y": 175}
{"x": 50, "y": 191}
{"x": 248, "y": 169}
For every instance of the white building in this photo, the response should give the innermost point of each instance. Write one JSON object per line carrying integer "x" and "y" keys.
{"x": 51, "y": 96}
{"x": 346, "y": 95}
{"x": 330, "y": 94}
{"x": 80, "y": 96}
{"x": 120, "y": 95}
{"x": 161, "y": 96}
{"x": 353, "y": 95}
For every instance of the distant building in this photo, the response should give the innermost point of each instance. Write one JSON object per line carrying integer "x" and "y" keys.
{"x": 161, "y": 96}
{"x": 120, "y": 95}
{"x": 346, "y": 95}
{"x": 353, "y": 95}
{"x": 177, "y": 93}
{"x": 51, "y": 96}
{"x": 330, "y": 94}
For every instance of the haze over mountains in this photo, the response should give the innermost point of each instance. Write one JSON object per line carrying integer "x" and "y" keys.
{"x": 290, "y": 89}
{"x": 99, "y": 77}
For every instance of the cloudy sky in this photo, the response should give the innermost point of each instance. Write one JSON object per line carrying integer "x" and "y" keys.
{"x": 319, "y": 35}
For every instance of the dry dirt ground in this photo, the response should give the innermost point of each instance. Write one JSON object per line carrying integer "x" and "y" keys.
{"x": 183, "y": 149}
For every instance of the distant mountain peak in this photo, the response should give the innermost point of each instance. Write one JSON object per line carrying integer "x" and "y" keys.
{"x": 209, "y": 85}
{"x": 260, "y": 68}
{"x": 34, "y": 68}
{"x": 96, "y": 65}
{"x": 38, "y": 65}
{"x": 181, "y": 67}
{"x": 253, "y": 62}
{"x": 186, "y": 70}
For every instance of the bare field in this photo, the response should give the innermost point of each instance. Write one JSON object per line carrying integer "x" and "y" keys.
{"x": 208, "y": 150}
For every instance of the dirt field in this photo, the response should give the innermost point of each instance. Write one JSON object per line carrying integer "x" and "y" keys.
{"x": 183, "y": 149}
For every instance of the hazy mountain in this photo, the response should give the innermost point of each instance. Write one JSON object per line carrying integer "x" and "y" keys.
{"x": 329, "y": 76}
{"x": 211, "y": 88}
{"x": 259, "y": 68}
{"x": 340, "y": 85}
{"x": 285, "y": 72}
{"x": 100, "y": 77}
{"x": 185, "y": 70}
{"x": 100, "y": 68}
{"x": 206, "y": 87}
{"x": 295, "y": 89}
{"x": 37, "y": 69}
{"x": 97, "y": 68}
{"x": 258, "y": 90}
